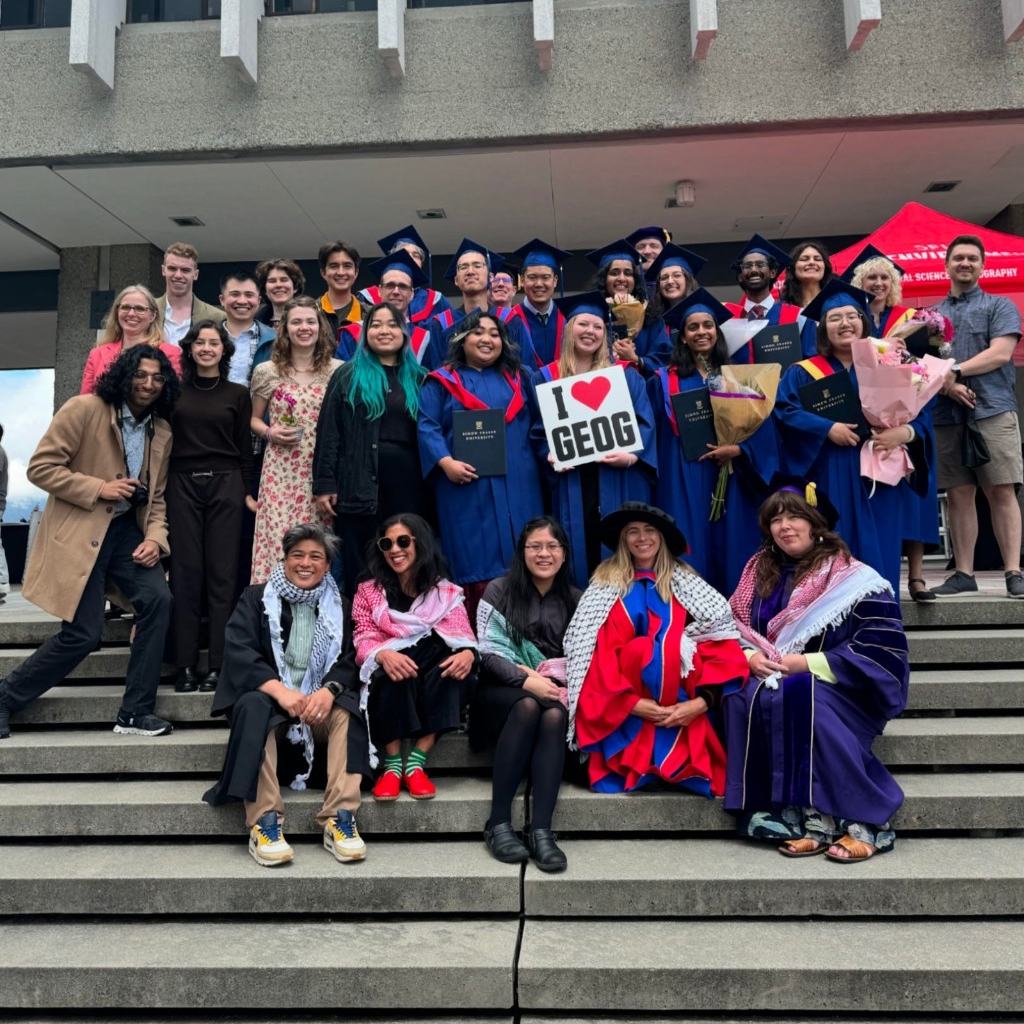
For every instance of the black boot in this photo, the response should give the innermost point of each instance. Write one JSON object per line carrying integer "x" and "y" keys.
{"x": 505, "y": 845}
{"x": 187, "y": 681}
{"x": 544, "y": 850}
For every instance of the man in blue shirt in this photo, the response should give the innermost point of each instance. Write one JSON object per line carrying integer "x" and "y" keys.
{"x": 980, "y": 385}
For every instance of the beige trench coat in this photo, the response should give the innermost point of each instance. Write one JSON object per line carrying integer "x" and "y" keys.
{"x": 80, "y": 451}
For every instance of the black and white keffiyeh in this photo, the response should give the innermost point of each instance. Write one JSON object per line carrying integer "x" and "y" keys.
{"x": 328, "y": 636}
{"x": 710, "y": 618}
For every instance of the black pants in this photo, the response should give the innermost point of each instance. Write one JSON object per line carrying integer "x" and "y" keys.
{"x": 204, "y": 516}
{"x": 62, "y": 653}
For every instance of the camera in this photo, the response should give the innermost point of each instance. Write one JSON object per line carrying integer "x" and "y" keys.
{"x": 139, "y": 497}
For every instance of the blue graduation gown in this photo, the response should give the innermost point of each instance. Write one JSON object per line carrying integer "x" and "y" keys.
{"x": 808, "y": 743}
{"x": 808, "y": 332}
{"x": 425, "y": 305}
{"x": 654, "y": 346}
{"x": 719, "y": 550}
{"x": 615, "y": 485}
{"x": 442, "y": 327}
{"x": 544, "y": 338}
{"x": 871, "y": 526}
{"x": 480, "y": 521}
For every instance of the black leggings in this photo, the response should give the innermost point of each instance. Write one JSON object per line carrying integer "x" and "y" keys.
{"x": 533, "y": 736}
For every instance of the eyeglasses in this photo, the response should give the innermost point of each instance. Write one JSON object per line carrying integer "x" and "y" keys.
{"x": 156, "y": 378}
{"x": 536, "y": 549}
{"x": 475, "y": 265}
{"x": 754, "y": 265}
{"x": 138, "y": 310}
{"x": 392, "y": 286}
{"x": 386, "y": 543}
{"x": 843, "y": 318}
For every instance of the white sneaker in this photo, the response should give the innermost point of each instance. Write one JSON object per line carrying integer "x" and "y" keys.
{"x": 267, "y": 843}
{"x": 341, "y": 838}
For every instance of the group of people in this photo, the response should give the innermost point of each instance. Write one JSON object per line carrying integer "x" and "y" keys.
{"x": 292, "y": 417}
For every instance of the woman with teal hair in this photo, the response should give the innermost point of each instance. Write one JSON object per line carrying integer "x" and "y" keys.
{"x": 366, "y": 465}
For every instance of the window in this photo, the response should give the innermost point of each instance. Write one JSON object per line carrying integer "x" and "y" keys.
{"x": 328, "y": 6}
{"x": 172, "y": 10}
{"x": 35, "y": 13}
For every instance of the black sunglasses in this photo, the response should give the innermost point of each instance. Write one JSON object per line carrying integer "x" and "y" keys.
{"x": 386, "y": 543}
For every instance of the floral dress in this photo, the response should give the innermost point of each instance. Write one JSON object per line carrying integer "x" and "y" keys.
{"x": 286, "y": 484}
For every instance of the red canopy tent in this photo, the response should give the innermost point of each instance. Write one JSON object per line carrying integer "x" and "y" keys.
{"x": 916, "y": 238}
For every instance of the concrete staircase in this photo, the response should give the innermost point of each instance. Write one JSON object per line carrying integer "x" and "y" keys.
{"x": 124, "y": 897}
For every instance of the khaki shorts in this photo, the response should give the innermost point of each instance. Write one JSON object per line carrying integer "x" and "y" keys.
{"x": 1002, "y": 435}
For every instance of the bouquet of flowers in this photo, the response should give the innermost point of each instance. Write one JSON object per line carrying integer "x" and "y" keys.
{"x": 894, "y": 387}
{"x": 940, "y": 330}
{"x": 742, "y": 398}
{"x": 628, "y": 312}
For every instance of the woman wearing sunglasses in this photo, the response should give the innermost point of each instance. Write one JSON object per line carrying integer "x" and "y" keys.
{"x": 415, "y": 649}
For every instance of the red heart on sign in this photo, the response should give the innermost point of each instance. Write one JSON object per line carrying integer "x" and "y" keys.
{"x": 591, "y": 393}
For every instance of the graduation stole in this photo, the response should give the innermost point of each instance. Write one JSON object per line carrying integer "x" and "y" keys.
{"x": 419, "y": 337}
{"x": 452, "y": 383}
{"x": 446, "y": 318}
{"x": 894, "y": 316}
{"x": 817, "y": 367}
{"x": 520, "y": 313}
{"x": 373, "y": 294}
{"x": 433, "y": 298}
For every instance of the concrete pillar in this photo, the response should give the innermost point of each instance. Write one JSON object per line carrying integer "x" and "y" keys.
{"x": 82, "y": 272}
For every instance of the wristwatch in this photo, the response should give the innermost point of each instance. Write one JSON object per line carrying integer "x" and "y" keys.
{"x": 335, "y": 688}
{"x": 956, "y": 368}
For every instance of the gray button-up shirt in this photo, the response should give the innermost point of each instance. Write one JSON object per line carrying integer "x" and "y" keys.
{"x": 133, "y": 435}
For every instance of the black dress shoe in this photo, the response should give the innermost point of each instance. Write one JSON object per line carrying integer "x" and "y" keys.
{"x": 544, "y": 850}
{"x": 210, "y": 681}
{"x": 505, "y": 845}
{"x": 5, "y": 723}
{"x": 187, "y": 681}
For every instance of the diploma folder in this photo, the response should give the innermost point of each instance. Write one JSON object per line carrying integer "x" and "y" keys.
{"x": 778, "y": 343}
{"x": 835, "y": 398}
{"x": 696, "y": 422}
{"x": 478, "y": 437}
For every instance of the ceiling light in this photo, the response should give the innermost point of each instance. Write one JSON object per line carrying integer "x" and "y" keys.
{"x": 436, "y": 213}
{"x": 686, "y": 194}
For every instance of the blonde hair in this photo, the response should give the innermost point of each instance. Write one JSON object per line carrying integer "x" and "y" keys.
{"x": 567, "y": 358}
{"x": 323, "y": 351}
{"x": 872, "y": 266}
{"x": 112, "y": 330}
{"x": 184, "y": 250}
{"x": 618, "y": 570}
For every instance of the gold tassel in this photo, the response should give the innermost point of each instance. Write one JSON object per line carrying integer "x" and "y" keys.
{"x": 811, "y": 495}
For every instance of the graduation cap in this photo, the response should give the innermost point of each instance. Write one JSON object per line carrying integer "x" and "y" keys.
{"x": 701, "y": 301}
{"x": 810, "y": 492}
{"x": 620, "y": 250}
{"x": 765, "y": 248}
{"x": 468, "y": 245}
{"x": 675, "y": 256}
{"x": 401, "y": 260}
{"x": 663, "y": 235}
{"x": 408, "y": 236}
{"x": 585, "y": 302}
{"x": 835, "y": 294}
{"x": 869, "y": 252}
{"x": 538, "y": 253}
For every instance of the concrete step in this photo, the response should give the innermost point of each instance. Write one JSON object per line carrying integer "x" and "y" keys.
{"x": 415, "y": 878}
{"x": 30, "y": 627}
{"x": 970, "y": 689}
{"x": 765, "y": 966}
{"x": 106, "y": 663}
{"x": 949, "y": 648}
{"x": 952, "y": 741}
{"x": 970, "y": 611}
{"x": 735, "y": 878}
{"x": 193, "y": 751}
{"x": 300, "y": 964}
{"x": 170, "y": 808}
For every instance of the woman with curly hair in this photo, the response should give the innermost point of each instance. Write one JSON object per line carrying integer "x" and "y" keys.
{"x": 415, "y": 649}
{"x": 211, "y": 469}
{"x": 290, "y": 387}
{"x": 366, "y": 463}
{"x": 828, "y": 668}
{"x": 810, "y": 269}
{"x": 280, "y": 281}
{"x": 481, "y": 517}
{"x": 652, "y": 650}
{"x": 876, "y": 274}
{"x": 133, "y": 320}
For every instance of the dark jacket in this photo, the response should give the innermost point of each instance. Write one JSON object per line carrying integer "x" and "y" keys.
{"x": 347, "y": 443}
{"x": 248, "y": 664}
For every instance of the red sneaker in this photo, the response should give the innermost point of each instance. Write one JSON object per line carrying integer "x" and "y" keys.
{"x": 387, "y": 787}
{"x": 419, "y": 786}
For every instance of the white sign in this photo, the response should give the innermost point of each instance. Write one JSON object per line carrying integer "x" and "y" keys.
{"x": 588, "y": 416}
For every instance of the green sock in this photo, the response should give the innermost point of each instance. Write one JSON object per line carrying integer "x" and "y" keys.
{"x": 417, "y": 759}
{"x": 393, "y": 763}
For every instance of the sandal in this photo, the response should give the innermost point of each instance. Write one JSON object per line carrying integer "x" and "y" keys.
{"x": 805, "y": 847}
{"x": 857, "y": 850}
{"x": 921, "y": 594}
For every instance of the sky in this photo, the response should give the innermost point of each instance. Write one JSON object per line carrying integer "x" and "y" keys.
{"x": 26, "y": 408}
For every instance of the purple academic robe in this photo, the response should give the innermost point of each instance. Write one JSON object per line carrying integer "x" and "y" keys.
{"x": 808, "y": 743}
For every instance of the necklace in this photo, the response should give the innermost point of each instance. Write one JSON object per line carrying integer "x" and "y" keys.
{"x": 195, "y": 384}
